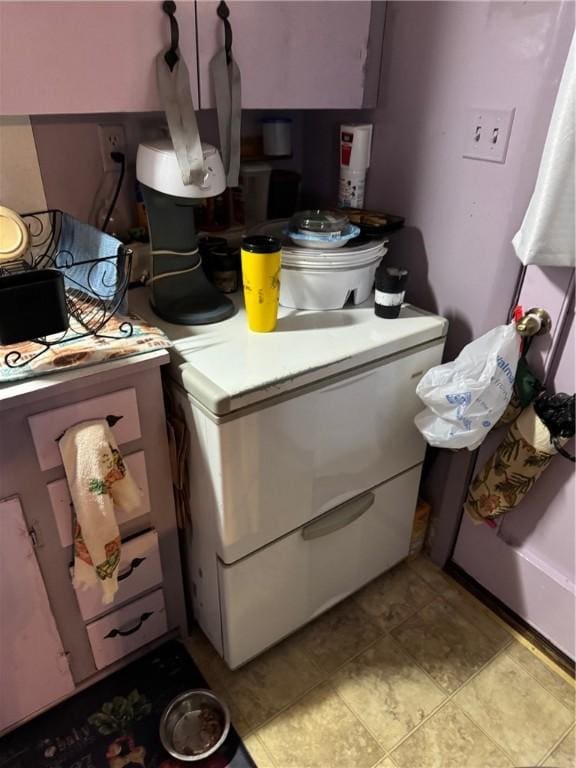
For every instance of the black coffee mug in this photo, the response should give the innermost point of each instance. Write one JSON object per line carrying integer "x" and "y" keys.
{"x": 390, "y": 290}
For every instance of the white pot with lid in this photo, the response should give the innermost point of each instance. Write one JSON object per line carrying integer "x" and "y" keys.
{"x": 325, "y": 279}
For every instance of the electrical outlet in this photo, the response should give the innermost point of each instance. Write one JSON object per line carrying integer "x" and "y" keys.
{"x": 487, "y": 134}
{"x": 112, "y": 139}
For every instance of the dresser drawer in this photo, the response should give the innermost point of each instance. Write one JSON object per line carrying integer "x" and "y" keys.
{"x": 127, "y": 629}
{"x": 140, "y": 570}
{"x": 48, "y": 426}
{"x": 273, "y": 592}
{"x": 62, "y": 503}
{"x": 280, "y": 467}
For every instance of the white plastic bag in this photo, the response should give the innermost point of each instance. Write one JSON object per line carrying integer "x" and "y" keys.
{"x": 467, "y": 396}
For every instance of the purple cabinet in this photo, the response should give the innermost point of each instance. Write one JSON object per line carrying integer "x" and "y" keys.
{"x": 86, "y": 57}
{"x": 78, "y": 57}
{"x": 299, "y": 55}
{"x": 34, "y": 670}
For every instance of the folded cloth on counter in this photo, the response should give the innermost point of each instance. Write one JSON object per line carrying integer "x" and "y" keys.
{"x": 122, "y": 336}
{"x": 98, "y": 479}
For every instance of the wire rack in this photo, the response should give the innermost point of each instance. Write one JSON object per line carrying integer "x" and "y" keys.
{"x": 95, "y": 285}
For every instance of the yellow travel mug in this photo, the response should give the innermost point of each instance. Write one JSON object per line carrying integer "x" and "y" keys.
{"x": 261, "y": 258}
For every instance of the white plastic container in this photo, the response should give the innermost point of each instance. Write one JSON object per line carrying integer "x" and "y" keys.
{"x": 328, "y": 280}
{"x": 355, "y": 149}
{"x": 305, "y": 288}
{"x": 324, "y": 279}
{"x": 351, "y": 189}
{"x": 255, "y": 182}
{"x": 277, "y": 136}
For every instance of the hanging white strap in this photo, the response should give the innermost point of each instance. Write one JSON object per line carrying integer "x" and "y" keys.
{"x": 176, "y": 98}
{"x": 227, "y": 84}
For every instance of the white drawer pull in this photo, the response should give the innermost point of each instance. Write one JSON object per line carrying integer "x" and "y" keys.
{"x": 122, "y": 632}
{"x": 132, "y": 567}
{"x": 339, "y": 517}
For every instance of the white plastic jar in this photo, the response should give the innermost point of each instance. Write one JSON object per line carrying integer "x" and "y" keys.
{"x": 277, "y": 136}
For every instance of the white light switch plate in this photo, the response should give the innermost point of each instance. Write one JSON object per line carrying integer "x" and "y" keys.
{"x": 487, "y": 133}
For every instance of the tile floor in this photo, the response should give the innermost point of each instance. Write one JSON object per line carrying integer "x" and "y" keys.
{"x": 411, "y": 672}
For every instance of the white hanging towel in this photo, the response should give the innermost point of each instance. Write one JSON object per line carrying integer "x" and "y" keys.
{"x": 97, "y": 479}
{"x": 546, "y": 236}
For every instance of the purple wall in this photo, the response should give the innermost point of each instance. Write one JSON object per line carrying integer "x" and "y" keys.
{"x": 438, "y": 59}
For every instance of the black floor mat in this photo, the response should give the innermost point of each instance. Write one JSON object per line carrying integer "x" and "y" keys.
{"x": 114, "y": 723}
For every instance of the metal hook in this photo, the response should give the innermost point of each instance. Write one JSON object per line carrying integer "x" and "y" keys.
{"x": 171, "y": 56}
{"x": 223, "y": 13}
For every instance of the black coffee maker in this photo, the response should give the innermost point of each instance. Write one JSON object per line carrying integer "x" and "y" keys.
{"x": 180, "y": 291}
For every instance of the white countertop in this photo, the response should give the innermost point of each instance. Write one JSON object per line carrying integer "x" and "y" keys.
{"x": 225, "y": 366}
{"x": 40, "y": 387}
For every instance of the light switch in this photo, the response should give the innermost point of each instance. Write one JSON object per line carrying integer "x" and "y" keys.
{"x": 487, "y": 133}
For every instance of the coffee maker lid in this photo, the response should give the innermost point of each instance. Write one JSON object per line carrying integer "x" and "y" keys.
{"x": 157, "y": 167}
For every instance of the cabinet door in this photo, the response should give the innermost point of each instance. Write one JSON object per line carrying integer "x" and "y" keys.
{"x": 33, "y": 668}
{"x": 78, "y": 57}
{"x": 299, "y": 55}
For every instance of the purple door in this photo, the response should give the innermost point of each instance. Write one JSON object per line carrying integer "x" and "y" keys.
{"x": 528, "y": 561}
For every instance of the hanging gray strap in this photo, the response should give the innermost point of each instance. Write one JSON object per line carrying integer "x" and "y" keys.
{"x": 227, "y": 84}
{"x": 176, "y": 98}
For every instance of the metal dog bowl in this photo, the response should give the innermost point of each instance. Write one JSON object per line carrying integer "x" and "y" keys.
{"x": 194, "y": 725}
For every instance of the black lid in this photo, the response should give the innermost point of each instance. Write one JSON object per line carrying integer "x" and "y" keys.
{"x": 260, "y": 244}
{"x": 391, "y": 279}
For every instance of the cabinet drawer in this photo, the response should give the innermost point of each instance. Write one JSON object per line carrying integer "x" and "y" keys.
{"x": 48, "y": 426}
{"x": 284, "y": 465}
{"x": 268, "y": 595}
{"x": 140, "y": 570}
{"x": 61, "y": 501}
{"x": 127, "y": 629}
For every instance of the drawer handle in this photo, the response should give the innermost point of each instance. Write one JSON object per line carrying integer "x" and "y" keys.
{"x": 111, "y": 419}
{"x": 339, "y": 517}
{"x": 125, "y": 632}
{"x": 133, "y": 565}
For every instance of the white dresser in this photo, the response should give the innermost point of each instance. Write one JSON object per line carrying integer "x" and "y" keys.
{"x": 304, "y": 463}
